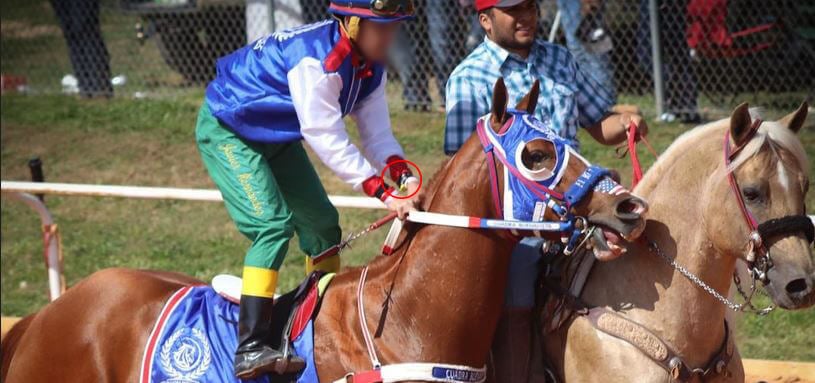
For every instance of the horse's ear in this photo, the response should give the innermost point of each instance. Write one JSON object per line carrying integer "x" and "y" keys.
{"x": 530, "y": 101}
{"x": 795, "y": 120}
{"x": 740, "y": 123}
{"x": 499, "y": 105}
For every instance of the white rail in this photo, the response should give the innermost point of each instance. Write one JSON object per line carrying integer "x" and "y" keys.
{"x": 26, "y": 191}
{"x": 155, "y": 193}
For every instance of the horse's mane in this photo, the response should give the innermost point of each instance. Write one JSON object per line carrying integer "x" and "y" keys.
{"x": 432, "y": 184}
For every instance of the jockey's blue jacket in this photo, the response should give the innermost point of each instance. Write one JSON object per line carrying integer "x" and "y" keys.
{"x": 251, "y": 92}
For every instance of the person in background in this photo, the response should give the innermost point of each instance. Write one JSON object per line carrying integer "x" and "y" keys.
{"x": 568, "y": 99}
{"x": 681, "y": 92}
{"x": 290, "y": 86}
{"x": 589, "y": 39}
{"x": 79, "y": 20}
{"x": 430, "y": 38}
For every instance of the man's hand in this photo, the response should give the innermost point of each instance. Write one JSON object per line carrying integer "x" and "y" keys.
{"x": 627, "y": 118}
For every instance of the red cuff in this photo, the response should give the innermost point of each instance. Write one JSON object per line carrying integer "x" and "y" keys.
{"x": 397, "y": 169}
{"x": 375, "y": 187}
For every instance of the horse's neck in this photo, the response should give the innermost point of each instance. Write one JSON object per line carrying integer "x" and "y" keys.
{"x": 456, "y": 276}
{"x": 658, "y": 296}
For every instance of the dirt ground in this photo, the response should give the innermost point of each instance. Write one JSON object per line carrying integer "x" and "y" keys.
{"x": 779, "y": 379}
{"x": 773, "y": 371}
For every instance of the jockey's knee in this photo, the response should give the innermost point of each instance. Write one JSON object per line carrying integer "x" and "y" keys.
{"x": 270, "y": 244}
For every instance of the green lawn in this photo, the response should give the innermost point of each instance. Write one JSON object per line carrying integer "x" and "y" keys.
{"x": 150, "y": 142}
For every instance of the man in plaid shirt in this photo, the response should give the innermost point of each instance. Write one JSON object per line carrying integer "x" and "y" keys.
{"x": 568, "y": 99}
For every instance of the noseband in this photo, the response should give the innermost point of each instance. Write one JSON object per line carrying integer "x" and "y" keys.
{"x": 758, "y": 258}
{"x": 572, "y": 227}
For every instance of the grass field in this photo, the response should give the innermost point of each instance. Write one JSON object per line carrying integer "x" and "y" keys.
{"x": 150, "y": 143}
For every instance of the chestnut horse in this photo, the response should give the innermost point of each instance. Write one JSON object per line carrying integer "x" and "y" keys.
{"x": 696, "y": 221}
{"x": 436, "y": 299}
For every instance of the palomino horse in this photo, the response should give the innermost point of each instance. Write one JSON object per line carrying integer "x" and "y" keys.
{"x": 436, "y": 299}
{"x": 697, "y": 222}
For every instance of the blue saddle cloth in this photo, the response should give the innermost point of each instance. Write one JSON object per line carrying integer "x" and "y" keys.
{"x": 195, "y": 338}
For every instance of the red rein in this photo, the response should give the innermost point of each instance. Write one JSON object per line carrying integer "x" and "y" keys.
{"x": 636, "y": 166}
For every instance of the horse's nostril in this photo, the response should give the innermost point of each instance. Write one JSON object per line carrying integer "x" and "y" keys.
{"x": 796, "y": 286}
{"x": 631, "y": 208}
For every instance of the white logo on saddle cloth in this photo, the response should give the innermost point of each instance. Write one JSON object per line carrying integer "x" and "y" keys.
{"x": 185, "y": 356}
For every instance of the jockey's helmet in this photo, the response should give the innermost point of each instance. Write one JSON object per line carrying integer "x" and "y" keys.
{"x": 381, "y": 11}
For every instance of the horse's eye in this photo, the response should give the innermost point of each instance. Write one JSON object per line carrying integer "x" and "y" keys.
{"x": 538, "y": 158}
{"x": 751, "y": 194}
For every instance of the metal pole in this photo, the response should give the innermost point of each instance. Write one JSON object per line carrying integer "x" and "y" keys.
{"x": 555, "y": 26}
{"x": 35, "y": 168}
{"x": 272, "y": 24}
{"x": 56, "y": 283}
{"x": 656, "y": 56}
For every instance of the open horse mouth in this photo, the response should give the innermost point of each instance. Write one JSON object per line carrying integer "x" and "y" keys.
{"x": 610, "y": 233}
{"x": 606, "y": 244}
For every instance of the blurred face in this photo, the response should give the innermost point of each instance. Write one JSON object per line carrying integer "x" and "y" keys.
{"x": 512, "y": 28}
{"x": 374, "y": 39}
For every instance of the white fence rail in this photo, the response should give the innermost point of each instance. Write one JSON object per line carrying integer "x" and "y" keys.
{"x": 26, "y": 191}
{"x": 155, "y": 193}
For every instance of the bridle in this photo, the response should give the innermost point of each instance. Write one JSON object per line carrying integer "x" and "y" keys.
{"x": 759, "y": 260}
{"x": 572, "y": 227}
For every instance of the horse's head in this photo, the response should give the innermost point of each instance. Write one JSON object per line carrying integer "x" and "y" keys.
{"x": 758, "y": 208}
{"x": 544, "y": 178}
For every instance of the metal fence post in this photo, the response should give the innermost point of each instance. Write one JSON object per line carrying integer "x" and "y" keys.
{"x": 656, "y": 57}
{"x": 259, "y": 19}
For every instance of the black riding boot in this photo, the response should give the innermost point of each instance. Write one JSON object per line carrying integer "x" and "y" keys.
{"x": 254, "y": 356}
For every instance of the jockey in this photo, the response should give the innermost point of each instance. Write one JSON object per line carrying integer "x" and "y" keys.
{"x": 268, "y": 96}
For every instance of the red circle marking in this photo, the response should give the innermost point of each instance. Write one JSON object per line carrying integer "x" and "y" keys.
{"x": 410, "y": 164}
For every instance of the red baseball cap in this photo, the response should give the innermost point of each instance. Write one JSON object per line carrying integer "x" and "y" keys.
{"x": 481, "y": 5}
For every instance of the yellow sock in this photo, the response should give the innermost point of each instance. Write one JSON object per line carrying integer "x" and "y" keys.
{"x": 259, "y": 282}
{"x": 329, "y": 265}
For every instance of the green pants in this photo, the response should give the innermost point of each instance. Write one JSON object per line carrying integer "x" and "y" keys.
{"x": 270, "y": 190}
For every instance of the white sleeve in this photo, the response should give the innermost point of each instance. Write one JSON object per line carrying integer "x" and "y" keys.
{"x": 315, "y": 95}
{"x": 373, "y": 120}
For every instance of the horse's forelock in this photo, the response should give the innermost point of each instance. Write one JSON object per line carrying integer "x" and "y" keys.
{"x": 779, "y": 137}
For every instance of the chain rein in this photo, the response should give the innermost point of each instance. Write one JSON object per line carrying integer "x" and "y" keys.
{"x": 747, "y": 306}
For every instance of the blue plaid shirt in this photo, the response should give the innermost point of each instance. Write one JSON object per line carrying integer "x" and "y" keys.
{"x": 568, "y": 98}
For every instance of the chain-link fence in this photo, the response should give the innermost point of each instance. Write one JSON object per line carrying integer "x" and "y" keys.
{"x": 709, "y": 51}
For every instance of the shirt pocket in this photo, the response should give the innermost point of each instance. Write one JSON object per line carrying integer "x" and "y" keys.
{"x": 564, "y": 108}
